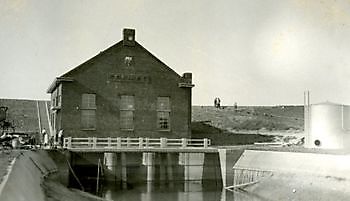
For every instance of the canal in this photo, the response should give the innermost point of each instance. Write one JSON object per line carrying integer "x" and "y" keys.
{"x": 174, "y": 191}
{"x": 198, "y": 178}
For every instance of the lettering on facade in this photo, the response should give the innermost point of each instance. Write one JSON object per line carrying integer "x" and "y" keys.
{"x": 138, "y": 78}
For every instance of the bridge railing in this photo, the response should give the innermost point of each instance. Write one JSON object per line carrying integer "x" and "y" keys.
{"x": 96, "y": 143}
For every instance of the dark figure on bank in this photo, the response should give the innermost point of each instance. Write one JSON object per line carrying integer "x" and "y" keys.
{"x": 60, "y": 137}
{"x": 217, "y": 102}
{"x": 32, "y": 140}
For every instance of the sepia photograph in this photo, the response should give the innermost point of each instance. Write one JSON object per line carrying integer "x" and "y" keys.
{"x": 178, "y": 100}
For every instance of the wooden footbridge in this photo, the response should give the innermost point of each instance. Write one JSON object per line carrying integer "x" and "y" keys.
{"x": 119, "y": 144}
{"x": 162, "y": 159}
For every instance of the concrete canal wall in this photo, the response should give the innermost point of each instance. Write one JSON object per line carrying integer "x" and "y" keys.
{"x": 293, "y": 175}
{"x": 26, "y": 176}
{"x": 306, "y": 163}
{"x": 297, "y": 176}
{"x": 137, "y": 167}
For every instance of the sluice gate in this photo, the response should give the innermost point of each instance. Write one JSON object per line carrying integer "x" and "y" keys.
{"x": 159, "y": 160}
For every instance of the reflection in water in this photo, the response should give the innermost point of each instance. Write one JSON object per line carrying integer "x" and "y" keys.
{"x": 184, "y": 191}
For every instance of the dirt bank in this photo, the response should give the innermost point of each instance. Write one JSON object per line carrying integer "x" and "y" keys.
{"x": 32, "y": 177}
{"x": 299, "y": 176}
{"x": 288, "y": 186}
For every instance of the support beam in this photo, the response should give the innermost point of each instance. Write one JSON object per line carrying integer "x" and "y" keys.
{"x": 222, "y": 156}
{"x": 124, "y": 171}
{"x": 150, "y": 166}
{"x": 170, "y": 166}
{"x": 162, "y": 168}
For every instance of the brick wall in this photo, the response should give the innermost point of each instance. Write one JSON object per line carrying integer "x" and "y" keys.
{"x": 108, "y": 76}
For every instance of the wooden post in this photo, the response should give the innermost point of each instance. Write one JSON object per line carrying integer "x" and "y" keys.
{"x": 119, "y": 142}
{"x": 163, "y": 142}
{"x": 94, "y": 145}
{"x": 89, "y": 142}
{"x": 147, "y": 142}
{"x": 206, "y": 142}
{"x": 109, "y": 143}
{"x": 128, "y": 142}
{"x": 184, "y": 142}
{"x": 140, "y": 142}
{"x": 69, "y": 142}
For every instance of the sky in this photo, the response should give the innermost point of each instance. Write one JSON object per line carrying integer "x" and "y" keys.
{"x": 253, "y": 52}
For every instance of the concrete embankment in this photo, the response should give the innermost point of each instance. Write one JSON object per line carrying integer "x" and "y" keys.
{"x": 31, "y": 177}
{"x": 299, "y": 176}
{"x": 26, "y": 175}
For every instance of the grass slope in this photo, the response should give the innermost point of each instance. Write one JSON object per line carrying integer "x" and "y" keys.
{"x": 251, "y": 118}
{"x": 230, "y": 126}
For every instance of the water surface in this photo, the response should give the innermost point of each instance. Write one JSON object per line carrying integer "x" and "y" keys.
{"x": 180, "y": 191}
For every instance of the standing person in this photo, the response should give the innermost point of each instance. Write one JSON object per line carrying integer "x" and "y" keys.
{"x": 55, "y": 138}
{"x": 60, "y": 138}
{"x": 51, "y": 142}
{"x": 215, "y": 102}
{"x": 219, "y": 102}
{"x": 33, "y": 141}
{"x": 43, "y": 133}
{"x": 236, "y": 106}
{"x": 46, "y": 140}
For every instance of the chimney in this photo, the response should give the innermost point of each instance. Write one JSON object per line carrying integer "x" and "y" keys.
{"x": 186, "y": 81}
{"x": 187, "y": 77}
{"x": 129, "y": 37}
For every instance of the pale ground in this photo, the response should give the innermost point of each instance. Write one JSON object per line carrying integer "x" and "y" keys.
{"x": 6, "y": 156}
{"x": 302, "y": 187}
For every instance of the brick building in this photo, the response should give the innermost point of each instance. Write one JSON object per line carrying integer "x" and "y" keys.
{"x": 123, "y": 91}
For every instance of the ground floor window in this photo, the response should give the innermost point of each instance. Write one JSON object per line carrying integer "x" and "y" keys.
{"x": 163, "y": 113}
{"x": 126, "y": 120}
{"x": 88, "y": 119}
{"x": 164, "y": 120}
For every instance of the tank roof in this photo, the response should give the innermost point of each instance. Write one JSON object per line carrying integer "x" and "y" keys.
{"x": 328, "y": 103}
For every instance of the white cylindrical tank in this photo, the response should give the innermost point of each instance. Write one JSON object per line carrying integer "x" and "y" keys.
{"x": 328, "y": 125}
{"x": 346, "y": 117}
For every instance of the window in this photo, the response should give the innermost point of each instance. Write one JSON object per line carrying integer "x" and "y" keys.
{"x": 128, "y": 60}
{"x": 56, "y": 97}
{"x": 59, "y": 96}
{"x": 88, "y": 101}
{"x": 127, "y": 112}
{"x": 88, "y": 111}
{"x": 163, "y": 113}
{"x": 53, "y": 99}
{"x": 88, "y": 119}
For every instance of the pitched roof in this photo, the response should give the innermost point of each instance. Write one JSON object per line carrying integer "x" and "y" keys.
{"x": 68, "y": 75}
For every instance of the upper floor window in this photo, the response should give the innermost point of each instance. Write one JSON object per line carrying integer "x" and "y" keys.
{"x": 88, "y": 101}
{"x": 88, "y": 111}
{"x": 59, "y": 95}
{"x": 163, "y": 113}
{"x": 56, "y": 97}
